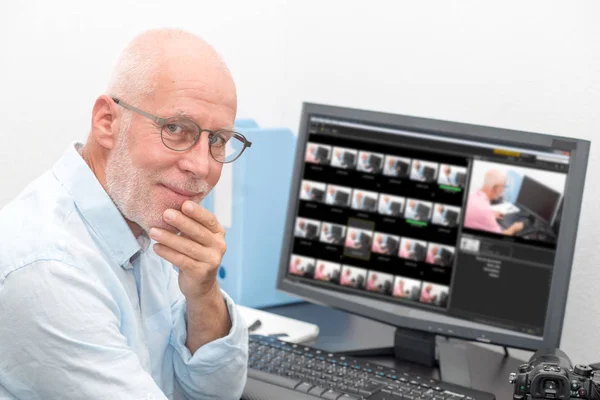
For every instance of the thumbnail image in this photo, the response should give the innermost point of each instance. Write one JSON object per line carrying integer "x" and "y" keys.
{"x": 327, "y": 271}
{"x": 353, "y": 277}
{"x": 413, "y": 249}
{"x": 439, "y": 254}
{"x": 333, "y": 233}
{"x": 418, "y": 210}
{"x": 380, "y": 282}
{"x": 452, "y": 175}
{"x": 302, "y": 266}
{"x": 407, "y": 288}
{"x": 445, "y": 215}
{"x": 511, "y": 200}
{"x": 397, "y": 167}
{"x": 470, "y": 244}
{"x": 363, "y": 200}
{"x": 370, "y": 162}
{"x": 307, "y": 228}
{"x": 338, "y": 195}
{"x": 312, "y": 191}
{"x": 385, "y": 244}
{"x": 423, "y": 171}
{"x": 344, "y": 158}
{"x": 391, "y": 205}
{"x": 435, "y": 294}
{"x": 359, "y": 239}
{"x": 317, "y": 153}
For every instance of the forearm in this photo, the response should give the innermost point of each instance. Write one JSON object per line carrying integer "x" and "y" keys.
{"x": 207, "y": 319}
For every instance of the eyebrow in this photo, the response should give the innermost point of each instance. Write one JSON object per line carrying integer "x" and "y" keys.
{"x": 183, "y": 114}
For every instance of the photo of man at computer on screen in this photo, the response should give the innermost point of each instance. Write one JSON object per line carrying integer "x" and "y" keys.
{"x": 452, "y": 175}
{"x": 516, "y": 201}
{"x": 307, "y": 228}
{"x": 338, "y": 196}
{"x": 380, "y": 282}
{"x": 363, "y": 200}
{"x": 424, "y": 171}
{"x": 317, "y": 153}
{"x": 418, "y": 210}
{"x": 396, "y": 167}
{"x": 302, "y": 266}
{"x": 445, "y": 215}
{"x": 413, "y": 249}
{"x": 391, "y": 205}
{"x": 434, "y": 294}
{"x": 327, "y": 271}
{"x": 370, "y": 162}
{"x": 332, "y": 233}
{"x": 344, "y": 158}
{"x": 358, "y": 243}
{"x": 439, "y": 254}
{"x": 312, "y": 191}
{"x": 353, "y": 276}
{"x": 385, "y": 244}
{"x": 407, "y": 288}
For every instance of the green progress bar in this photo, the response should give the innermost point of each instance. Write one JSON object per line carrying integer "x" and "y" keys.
{"x": 415, "y": 222}
{"x": 451, "y": 188}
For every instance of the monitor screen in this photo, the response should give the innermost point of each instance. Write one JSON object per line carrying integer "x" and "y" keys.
{"x": 451, "y": 229}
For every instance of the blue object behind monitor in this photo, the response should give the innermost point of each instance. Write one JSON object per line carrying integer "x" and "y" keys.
{"x": 258, "y": 186}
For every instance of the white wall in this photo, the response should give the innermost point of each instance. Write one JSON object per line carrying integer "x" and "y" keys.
{"x": 530, "y": 65}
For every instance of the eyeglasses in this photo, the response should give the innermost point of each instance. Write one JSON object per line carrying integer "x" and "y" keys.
{"x": 180, "y": 134}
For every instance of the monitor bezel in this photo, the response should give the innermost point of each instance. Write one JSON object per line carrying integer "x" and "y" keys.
{"x": 367, "y": 307}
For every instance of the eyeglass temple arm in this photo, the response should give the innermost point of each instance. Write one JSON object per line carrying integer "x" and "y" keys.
{"x": 158, "y": 120}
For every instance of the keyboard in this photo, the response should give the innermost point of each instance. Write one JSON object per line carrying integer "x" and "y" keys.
{"x": 281, "y": 370}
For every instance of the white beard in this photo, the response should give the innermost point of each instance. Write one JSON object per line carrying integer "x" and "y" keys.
{"x": 130, "y": 187}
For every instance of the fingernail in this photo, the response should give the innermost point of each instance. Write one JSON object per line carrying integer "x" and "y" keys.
{"x": 170, "y": 215}
{"x": 188, "y": 207}
{"x": 154, "y": 233}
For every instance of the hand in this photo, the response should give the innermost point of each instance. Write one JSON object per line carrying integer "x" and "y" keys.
{"x": 516, "y": 227}
{"x": 499, "y": 215}
{"x": 197, "y": 251}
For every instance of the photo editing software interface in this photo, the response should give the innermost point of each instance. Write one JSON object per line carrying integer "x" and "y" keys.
{"x": 455, "y": 226}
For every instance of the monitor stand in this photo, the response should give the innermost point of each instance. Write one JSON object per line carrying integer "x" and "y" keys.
{"x": 420, "y": 348}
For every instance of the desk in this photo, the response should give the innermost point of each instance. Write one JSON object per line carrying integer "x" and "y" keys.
{"x": 339, "y": 331}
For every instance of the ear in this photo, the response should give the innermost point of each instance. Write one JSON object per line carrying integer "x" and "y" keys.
{"x": 105, "y": 122}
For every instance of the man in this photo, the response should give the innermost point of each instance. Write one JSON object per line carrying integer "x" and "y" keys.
{"x": 89, "y": 308}
{"x": 447, "y": 177}
{"x": 480, "y": 215}
{"x": 300, "y": 229}
{"x": 358, "y": 204}
{"x": 417, "y": 171}
{"x": 390, "y": 167}
{"x": 311, "y": 153}
{"x": 330, "y": 196}
{"x": 432, "y": 254}
{"x": 439, "y": 215}
{"x": 364, "y": 163}
{"x": 306, "y": 192}
{"x": 411, "y": 210}
{"x": 406, "y": 250}
{"x": 426, "y": 296}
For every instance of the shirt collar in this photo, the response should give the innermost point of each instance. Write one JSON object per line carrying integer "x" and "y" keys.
{"x": 97, "y": 208}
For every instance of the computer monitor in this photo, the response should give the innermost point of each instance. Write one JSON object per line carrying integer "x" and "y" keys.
{"x": 538, "y": 199}
{"x": 500, "y": 289}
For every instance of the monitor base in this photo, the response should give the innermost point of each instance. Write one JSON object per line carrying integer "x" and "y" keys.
{"x": 421, "y": 348}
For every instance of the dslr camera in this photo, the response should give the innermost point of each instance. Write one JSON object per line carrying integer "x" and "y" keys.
{"x": 549, "y": 374}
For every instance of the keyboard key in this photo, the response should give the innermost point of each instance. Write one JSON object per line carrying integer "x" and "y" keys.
{"x": 330, "y": 395}
{"x": 273, "y": 379}
{"x": 348, "y": 397}
{"x": 317, "y": 391}
{"x": 370, "y": 388}
{"x": 304, "y": 387}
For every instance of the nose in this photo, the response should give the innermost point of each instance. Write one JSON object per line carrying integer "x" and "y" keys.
{"x": 197, "y": 160}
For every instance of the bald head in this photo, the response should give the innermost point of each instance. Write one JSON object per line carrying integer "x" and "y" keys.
{"x": 155, "y": 60}
{"x": 494, "y": 183}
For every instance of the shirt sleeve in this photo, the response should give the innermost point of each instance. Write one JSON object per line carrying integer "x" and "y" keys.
{"x": 218, "y": 369}
{"x": 60, "y": 338}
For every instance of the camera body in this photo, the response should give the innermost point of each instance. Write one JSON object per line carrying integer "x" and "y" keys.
{"x": 549, "y": 374}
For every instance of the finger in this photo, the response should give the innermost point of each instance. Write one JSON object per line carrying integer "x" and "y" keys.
{"x": 202, "y": 215}
{"x": 176, "y": 258}
{"x": 189, "y": 227}
{"x": 184, "y": 245}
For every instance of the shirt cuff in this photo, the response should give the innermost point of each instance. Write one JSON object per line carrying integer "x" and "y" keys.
{"x": 218, "y": 353}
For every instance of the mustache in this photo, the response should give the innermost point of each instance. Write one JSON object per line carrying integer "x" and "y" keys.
{"x": 200, "y": 187}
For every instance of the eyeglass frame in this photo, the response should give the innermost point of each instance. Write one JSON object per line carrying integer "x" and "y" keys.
{"x": 163, "y": 121}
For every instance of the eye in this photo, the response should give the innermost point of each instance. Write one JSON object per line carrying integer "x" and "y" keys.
{"x": 216, "y": 140}
{"x": 175, "y": 129}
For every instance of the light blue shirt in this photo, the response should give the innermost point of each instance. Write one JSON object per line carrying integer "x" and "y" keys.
{"x": 89, "y": 312}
